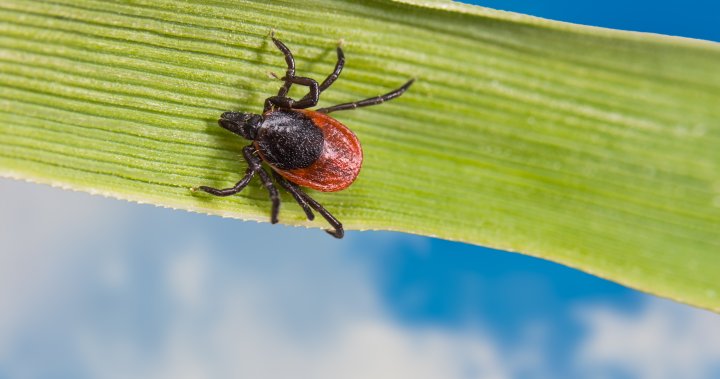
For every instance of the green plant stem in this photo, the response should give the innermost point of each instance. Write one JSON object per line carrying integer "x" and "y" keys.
{"x": 595, "y": 148}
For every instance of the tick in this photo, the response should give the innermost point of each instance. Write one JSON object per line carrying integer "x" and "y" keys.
{"x": 302, "y": 147}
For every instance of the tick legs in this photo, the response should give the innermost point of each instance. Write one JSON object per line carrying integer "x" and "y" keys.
{"x": 339, "y": 232}
{"x": 304, "y": 200}
{"x": 249, "y": 173}
{"x": 290, "y": 73}
{"x": 274, "y": 196}
{"x": 254, "y": 166}
{"x": 310, "y": 100}
{"x": 332, "y": 77}
{"x": 368, "y": 102}
{"x": 295, "y": 192}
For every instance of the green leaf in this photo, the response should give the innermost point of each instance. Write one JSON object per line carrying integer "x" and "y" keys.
{"x": 595, "y": 148}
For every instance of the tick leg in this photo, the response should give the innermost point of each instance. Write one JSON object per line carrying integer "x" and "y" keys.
{"x": 336, "y": 72}
{"x": 295, "y": 192}
{"x": 339, "y": 232}
{"x": 278, "y": 102}
{"x": 290, "y": 73}
{"x": 249, "y": 173}
{"x": 368, "y": 102}
{"x": 274, "y": 196}
{"x": 310, "y": 100}
{"x": 304, "y": 200}
{"x": 253, "y": 166}
{"x": 331, "y": 78}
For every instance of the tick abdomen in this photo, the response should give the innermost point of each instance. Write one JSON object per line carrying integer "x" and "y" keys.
{"x": 289, "y": 140}
{"x": 339, "y": 164}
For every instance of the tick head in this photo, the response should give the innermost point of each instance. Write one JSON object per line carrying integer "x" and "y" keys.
{"x": 244, "y": 124}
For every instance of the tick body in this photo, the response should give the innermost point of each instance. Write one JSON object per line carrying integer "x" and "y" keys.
{"x": 302, "y": 147}
{"x": 310, "y": 149}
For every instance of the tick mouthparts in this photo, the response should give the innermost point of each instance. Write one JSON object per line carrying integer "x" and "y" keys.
{"x": 240, "y": 117}
{"x": 230, "y": 115}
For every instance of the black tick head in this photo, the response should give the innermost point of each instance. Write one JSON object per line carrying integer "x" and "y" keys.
{"x": 244, "y": 124}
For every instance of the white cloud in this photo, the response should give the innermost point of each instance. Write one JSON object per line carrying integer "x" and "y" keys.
{"x": 190, "y": 307}
{"x": 240, "y": 333}
{"x": 186, "y": 277}
{"x": 663, "y": 340}
{"x": 35, "y": 222}
{"x": 187, "y": 301}
{"x": 248, "y": 344}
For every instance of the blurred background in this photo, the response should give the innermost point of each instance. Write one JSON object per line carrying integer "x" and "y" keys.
{"x": 99, "y": 288}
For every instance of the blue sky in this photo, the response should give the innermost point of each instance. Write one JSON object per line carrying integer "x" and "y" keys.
{"x": 98, "y": 288}
{"x": 689, "y": 18}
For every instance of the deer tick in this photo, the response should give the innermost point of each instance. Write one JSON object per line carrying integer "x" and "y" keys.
{"x": 302, "y": 147}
